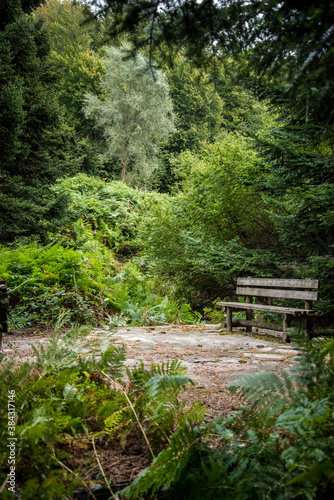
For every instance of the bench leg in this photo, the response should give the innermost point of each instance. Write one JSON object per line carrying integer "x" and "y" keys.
{"x": 286, "y": 325}
{"x": 249, "y": 313}
{"x": 249, "y": 317}
{"x": 309, "y": 326}
{"x": 229, "y": 319}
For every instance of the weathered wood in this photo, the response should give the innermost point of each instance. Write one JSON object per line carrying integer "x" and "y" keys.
{"x": 284, "y": 283}
{"x": 280, "y": 289}
{"x": 239, "y": 306}
{"x": 260, "y": 324}
{"x": 249, "y": 313}
{"x": 256, "y": 324}
{"x": 308, "y": 304}
{"x": 279, "y": 294}
{"x": 229, "y": 319}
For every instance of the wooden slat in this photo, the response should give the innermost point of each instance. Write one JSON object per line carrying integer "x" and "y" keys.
{"x": 260, "y": 324}
{"x": 239, "y": 306}
{"x": 282, "y": 294}
{"x": 256, "y": 324}
{"x": 288, "y": 283}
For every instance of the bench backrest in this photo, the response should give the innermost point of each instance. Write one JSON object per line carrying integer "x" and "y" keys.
{"x": 300, "y": 289}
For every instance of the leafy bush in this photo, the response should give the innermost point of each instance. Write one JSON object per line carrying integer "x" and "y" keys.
{"x": 111, "y": 210}
{"x": 44, "y": 280}
{"x": 215, "y": 228}
{"x": 85, "y": 269}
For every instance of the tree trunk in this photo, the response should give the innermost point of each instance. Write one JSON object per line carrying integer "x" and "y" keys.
{"x": 125, "y": 159}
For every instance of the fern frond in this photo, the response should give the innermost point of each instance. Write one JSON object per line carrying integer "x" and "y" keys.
{"x": 112, "y": 360}
{"x": 315, "y": 366}
{"x": 167, "y": 467}
{"x": 63, "y": 318}
{"x": 114, "y": 422}
{"x": 66, "y": 350}
{"x": 169, "y": 368}
{"x": 266, "y": 392}
{"x": 161, "y": 383}
{"x": 71, "y": 393}
{"x": 139, "y": 375}
{"x": 304, "y": 419}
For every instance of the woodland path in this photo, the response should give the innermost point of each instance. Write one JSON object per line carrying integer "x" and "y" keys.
{"x": 213, "y": 358}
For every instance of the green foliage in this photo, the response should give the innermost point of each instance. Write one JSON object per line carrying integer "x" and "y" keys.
{"x": 74, "y": 392}
{"x": 44, "y": 280}
{"x": 29, "y": 123}
{"x": 322, "y": 266}
{"x": 58, "y": 397}
{"x": 198, "y": 110}
{"x": 140, "y": 376}
{"x": 107, "y": 211}
{"x": 278, "y": 445}
{"x": 287, "y": 45}
{"x": 167, "y": 467}
{"x": 216, "y": 227}
{"x": 78, "y": 67}
{"x": 57, "y": 284}
{"x": 77, "y": 70}
{"x": 81, "y": 274}
{"x": 161, "y": 383}
{"x": 205, "y": 109}
{"x": 72, "y": 349}
{"x": 134, "y": 112}
{"x": 297, "y": 189}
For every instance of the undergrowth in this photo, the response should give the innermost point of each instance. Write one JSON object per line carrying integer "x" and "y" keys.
{"x": 75, "y": 392}
{"x": 278, "y": 445}
{"x": 92, "y": 267}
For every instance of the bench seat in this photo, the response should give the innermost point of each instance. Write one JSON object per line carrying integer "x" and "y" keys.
{"x": 239, "y": 306}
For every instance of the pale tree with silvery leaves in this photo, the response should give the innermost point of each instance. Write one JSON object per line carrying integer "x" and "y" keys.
{"x": 135, "y": 112}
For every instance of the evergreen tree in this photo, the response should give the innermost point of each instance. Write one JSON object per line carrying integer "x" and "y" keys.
{"x": 29, "y": 119}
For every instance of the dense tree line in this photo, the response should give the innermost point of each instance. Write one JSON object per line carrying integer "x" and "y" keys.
{"x": 249, "y": 79}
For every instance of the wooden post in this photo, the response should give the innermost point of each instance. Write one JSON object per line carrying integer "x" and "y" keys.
{"x": 286, "y": 325}
{"x": 249, "y": 313}
{"x": 308, "y": 321}
{"x": 3, "y": 309}
{"x": 229, "y": 319}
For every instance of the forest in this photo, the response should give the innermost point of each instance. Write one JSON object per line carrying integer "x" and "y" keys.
{"x": 151, "y": 153}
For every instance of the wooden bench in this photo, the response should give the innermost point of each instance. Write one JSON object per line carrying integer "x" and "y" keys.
{"x": 268, "y": 290}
